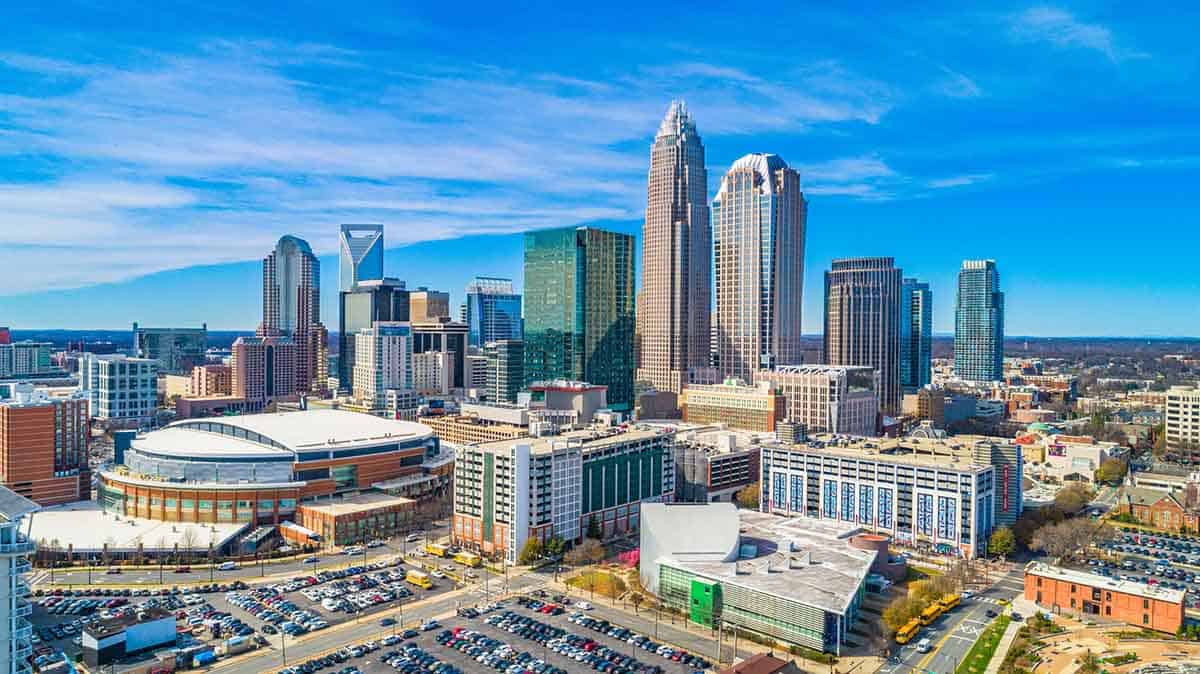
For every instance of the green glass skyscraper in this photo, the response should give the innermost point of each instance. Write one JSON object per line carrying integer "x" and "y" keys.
{"x": 579, "y": 309}
{"x": 979, "y": 323}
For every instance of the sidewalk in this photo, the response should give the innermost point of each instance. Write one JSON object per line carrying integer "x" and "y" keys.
{"x": 1002, "y": 648}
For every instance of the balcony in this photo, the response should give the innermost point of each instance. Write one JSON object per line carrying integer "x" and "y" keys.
{"x": 23, "y": 608}
{"x": 20, "y": 653}
{"x": 22, "y": 546}
{"x": 23, "y": 629}
{"x": 22, "y": 566}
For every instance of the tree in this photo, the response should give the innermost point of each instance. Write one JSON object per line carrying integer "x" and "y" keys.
{"x": 189, "y": 541}
{"x": 531, "y": 552}
{"x": 1068, "y": 539}
{"x": 900, "y": 611}
{"x": 747, "y": 497}
{"x": 593, "y": 528}
{"x": 1112, "y": 470}
{"x": 1073, "y": 498}
{"x": 555, "y": 547}
{"x": 590, "y": 551}
{"x": 1002, "y": 542}
{"x": 1089, "y": 663}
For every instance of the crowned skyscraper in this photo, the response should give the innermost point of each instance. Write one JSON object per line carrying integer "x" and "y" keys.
{"x": 673, "y": 313}
{"x": 758, "y": 249}
{"x": 360, "y": 255}
{"x": 292, "y": 308}
{"x": 979, "y": 323}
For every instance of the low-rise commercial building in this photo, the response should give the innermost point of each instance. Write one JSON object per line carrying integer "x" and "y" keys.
{"x": 469, "y": 429}
{"x": 795, "y": 580}
{"x": 107, "y": 641}
{"x": 752, "y": 408}
{"x": 358, "y": 519}
{"x": 508, "y": 491}
{"x": 828, "y": 398}
{"x": 713, "y": 463}
{"x": 1087, "y": 594}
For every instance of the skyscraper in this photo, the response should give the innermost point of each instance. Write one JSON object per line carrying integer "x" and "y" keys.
{"x": 493, "y": 311}
{"x": 579, "y": 318}
{"x": 361, "y": 307}
{"x": 862, "y": 321}
{"x": 916, "y": 334}
{"x": 383, "y": 362}
{"x": 292, "y": 308}
{"x": 263, "y": 370}
{"x": 428, "y": 305}
{"x": 505, "y": 369}
{"x": 979, "y": 323}
{"x": 177, "y": 350}
{"x": 758, "y": 220}
{"x": 360, "y": 255}
{"x": 673, "y": 326}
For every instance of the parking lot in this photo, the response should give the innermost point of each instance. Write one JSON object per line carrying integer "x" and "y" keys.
{"x": 1155, "y": 559}
{"x": 515, "y": 638}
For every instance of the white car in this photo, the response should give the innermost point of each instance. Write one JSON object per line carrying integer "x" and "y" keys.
{"x": 437, "y": 574}
{"x": 412, "y": 538}
{"x": 967, "y": 594}
{"x": 228, "y": 566}
{"x": 924, "y": 645}
{"x": 583, "y": 605}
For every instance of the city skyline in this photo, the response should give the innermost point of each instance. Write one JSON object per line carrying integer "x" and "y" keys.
{"x": 123, "y": 159}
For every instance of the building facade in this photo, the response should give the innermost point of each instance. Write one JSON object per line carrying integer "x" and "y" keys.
{"x": 751, "y": 408}
{"x": 177, "y": 350}
{"x": 44, "y": 446}
{"x": 433, "y": 373}
{"x": 212, "y": 379}
{"x": 674, "y": 307}
{"x": 119, "y": 387}
{"x": 383, "y": 362}
{"x": 862, "y": 321}
{"x": 361, "y": 307}
{"x": 428, "y": 306}
{"x": 493, "y": 311}
{"x": 979, "y": 323}
{"x": 360, "y": 255}
{"x": 1087, "y": 594}
{"x": 292, "y": 309}
{"x": 263, "y": 370}
{"x": 16, "y": 631}
{"x": 1181, "y": 421}
{"x": 19, "y": 359}
{"x": 827, "y": 398}
{"x": 579, "y": 318}
{"x": 916, "y": 335}
{"x": 557, "y": 487}
{"x": 505, "y": 370}
{"x": 448, "y": 339}
{"x": 758, "y": 229}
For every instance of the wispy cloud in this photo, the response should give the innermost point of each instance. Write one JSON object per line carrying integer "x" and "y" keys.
{"x": 863, "y": 177}
{"x": 1064, "y": 30}
{"x": 957, "y": 85}
{"x": 960, "y": 180}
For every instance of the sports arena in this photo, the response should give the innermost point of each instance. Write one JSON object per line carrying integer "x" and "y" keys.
{"x": 257, "y": 468}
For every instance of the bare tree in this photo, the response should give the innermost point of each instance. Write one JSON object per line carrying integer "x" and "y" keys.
{"x": 189, "y": 541}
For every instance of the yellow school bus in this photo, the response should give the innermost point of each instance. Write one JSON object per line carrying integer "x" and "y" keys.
{"x": 437, "y": 549}
{"x": 906, "y": 633}
{"x": 418, "y": 578}
{"x": 931, "y": 613}
{"x": 950, "y": 601}
{"x": 469, "y": 559}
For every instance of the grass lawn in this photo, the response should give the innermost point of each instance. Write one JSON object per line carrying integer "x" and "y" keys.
{"x": 981, "y": 653}
{"x": 600, "y": 582}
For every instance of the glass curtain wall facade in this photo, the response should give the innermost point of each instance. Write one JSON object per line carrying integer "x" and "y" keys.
{"x": 493, "y": 311}
{"x": 862, "y": 321}
{"x": 979, "y": 323}
{"x": 360, "y": 255}
{"x": 916, "y": 334}
{"x": 381, "y": 300}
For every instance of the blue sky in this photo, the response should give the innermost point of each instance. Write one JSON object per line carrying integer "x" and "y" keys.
{"x": 149, "y": 159}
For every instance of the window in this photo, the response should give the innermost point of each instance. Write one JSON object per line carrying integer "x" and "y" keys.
{"x": 1107, "y": 610}
{"x": 1072, "y": 591}
{"x": 1107, "y": 596}
{"x": 1039, "y": 581}
{"x": 1145, "y": 618}
{"x": 1072, "y": 602}
{"x": 1146, "y": 603}
{"x": 1039, "y": 597}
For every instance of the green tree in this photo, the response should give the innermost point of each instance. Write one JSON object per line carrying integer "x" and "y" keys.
{"x": 900, "y": 611}
{"x": 593, "y": 528}
{"x": 1112, "y": 470}
{"x": 531, "y": 552}
{"x": 1089, "y": 663}
{"x": 1002, "y": 542}
{"x": 747, "y": 497}
{"x": 555, "y": 547}
{"x": 1073, "y": 498}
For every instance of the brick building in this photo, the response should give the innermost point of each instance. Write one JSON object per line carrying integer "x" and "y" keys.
{"x": 1066, "y": 590}
{"x": 213, "y": 379}
{"x": 43, "y": 446}
{"x": 1158, "y": 509}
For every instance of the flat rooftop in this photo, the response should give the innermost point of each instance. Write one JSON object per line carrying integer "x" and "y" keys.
{"x": 85, "y": 526}
{"x": 589, "y": 439}
{"x": 104, "y": 628}
{"x": 356, "y": 504}
{"x": 955, "y": 451}
{"x": 1094, "y": 580}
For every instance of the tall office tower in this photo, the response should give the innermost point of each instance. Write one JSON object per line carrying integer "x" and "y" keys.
{"x": 15, "y": 550}
{"x": 579, "y": 317}
{"x": 758, "y": 221}
{"x": 427, "y": 305}
{"x": 862, "y": 321}
{"x": 505, "y": 369}
{"x": 979, "y": 323}
{"x": 361, "y": 307}
{"x": 916, "y": 334}
{"x": 360, "y": 255}
{"x": 676, "y": 257}
{"x": 44, "y": 445}
{"x": 383, "y": 362}
{"x": 493, "y": 311}
{"x": 292, "y": 308}
{"x": 177, "y": 350}
{"x": 264, "y": 370}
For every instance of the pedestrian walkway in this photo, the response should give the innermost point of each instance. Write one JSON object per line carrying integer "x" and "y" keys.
{"x": 1002, "y": 648}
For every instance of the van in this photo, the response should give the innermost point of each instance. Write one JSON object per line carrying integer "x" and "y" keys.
{"x": 924, "y": 645}
{"x": 227, "y": 566}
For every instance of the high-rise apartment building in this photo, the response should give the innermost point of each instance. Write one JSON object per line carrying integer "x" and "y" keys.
{"x": 427, "y": 305}
{"x": 15, "y": 609}
{"x": 979, "y": 323}
{"x": 119, "y": 387}
{"x": 1181, "y": 422}
{"x": 579, "y": 318}
{"x": 916, "y": 334}
{"x": 366, "y": 303}
{"x": 360, "y": 255}
{"x": 493, "y": 311}
{"x": 292, "y": 308}
{"x": 674, "y": 309}
{"x": 18, "y": 359}
{"x": 758, "y": 222}
{"x": 862, "y": 321}
{"x": 211, "y": 379}
{"x": 43, "y": 446}
{"x": 505, "y": 369}
{"x": 827, "y": 398}
{"x": 433, "y": 372}
{"x": 448, "y": 338}
{"x": 264, "y": 370}
{"x": 383, "y": 362}
{"x": 177, "y": 350}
